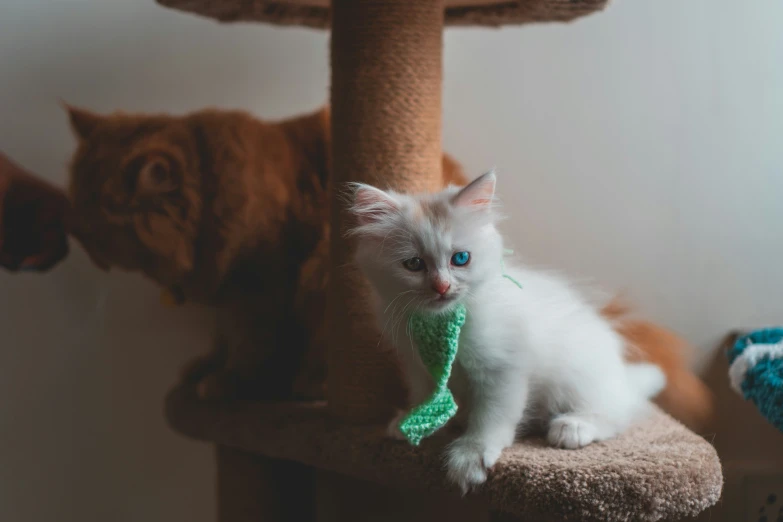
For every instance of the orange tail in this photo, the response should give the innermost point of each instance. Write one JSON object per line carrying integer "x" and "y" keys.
{"x": 686, "y": 397}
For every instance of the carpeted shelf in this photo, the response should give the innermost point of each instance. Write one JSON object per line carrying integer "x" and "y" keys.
{"x": 658, "y": 470}
{"x": 317, "y": 13}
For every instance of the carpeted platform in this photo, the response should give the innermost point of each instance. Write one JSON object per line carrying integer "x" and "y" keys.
{"x": 317, "y": 13}
{"x": 658, "y": 470}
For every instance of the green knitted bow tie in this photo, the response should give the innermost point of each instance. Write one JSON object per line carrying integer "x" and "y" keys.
{"x": 437, "y": 338}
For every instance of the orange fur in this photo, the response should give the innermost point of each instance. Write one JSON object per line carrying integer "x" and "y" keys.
{"x": 222, "y": 208}
{"x": 685, "y": 397}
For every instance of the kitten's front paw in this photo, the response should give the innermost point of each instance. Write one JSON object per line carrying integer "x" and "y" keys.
{"x": 393, "y": 429}
{"x": 571, "y": 432}
{"x": 467, "y": 462}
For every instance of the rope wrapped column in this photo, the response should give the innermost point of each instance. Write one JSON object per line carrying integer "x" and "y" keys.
{"x": 386, "y": 58}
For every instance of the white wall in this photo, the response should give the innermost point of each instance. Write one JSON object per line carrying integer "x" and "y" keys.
{"x": 640, "y": 147}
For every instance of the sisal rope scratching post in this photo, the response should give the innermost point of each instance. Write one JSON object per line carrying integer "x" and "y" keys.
{"x": 386, "y": 130}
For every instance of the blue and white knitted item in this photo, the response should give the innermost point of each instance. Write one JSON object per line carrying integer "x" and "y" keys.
{"x": 756, "y": 371}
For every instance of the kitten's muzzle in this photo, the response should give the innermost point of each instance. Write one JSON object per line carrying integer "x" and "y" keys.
{"x": 441, "y": 286}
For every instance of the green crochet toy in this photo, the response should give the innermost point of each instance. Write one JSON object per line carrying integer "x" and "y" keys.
{"x": 437, "y": 337}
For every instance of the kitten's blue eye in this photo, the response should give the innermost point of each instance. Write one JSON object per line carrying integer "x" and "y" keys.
{"x": 460, "y": 258}
{"x": 414, "y": 264}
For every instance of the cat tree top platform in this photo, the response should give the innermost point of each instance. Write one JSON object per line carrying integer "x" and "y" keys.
{"x": 658, "y": 470}
{"x": 317, "y": 13}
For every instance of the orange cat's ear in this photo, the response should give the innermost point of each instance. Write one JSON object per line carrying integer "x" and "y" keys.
{"x": 155, "y": 177}
{"x": 83, "y": 122}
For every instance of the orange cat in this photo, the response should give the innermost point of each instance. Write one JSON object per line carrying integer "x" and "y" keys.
{"x": 221, "y": 208}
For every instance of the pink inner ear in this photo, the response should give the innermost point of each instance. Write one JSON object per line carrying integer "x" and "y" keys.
{"x": 479, "y": 193}
{"x": 367, "y": 197}
{"x": 372, "y": 205}
{"x": 478, "y": 202}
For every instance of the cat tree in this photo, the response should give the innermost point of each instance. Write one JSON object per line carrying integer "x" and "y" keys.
{"x": 386, "y": 58}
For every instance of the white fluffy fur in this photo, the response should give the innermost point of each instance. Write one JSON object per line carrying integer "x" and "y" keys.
{"x": 538, "y": 352}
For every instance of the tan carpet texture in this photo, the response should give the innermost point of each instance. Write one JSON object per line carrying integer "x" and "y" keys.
{"x": 317, "y": 13}
{"x": 658, "y": 470}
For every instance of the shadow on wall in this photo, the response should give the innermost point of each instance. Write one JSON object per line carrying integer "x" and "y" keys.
{"x": 86, "y": 360}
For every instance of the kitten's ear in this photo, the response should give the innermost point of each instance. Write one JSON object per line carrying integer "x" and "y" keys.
{"x": 154, "y": 176}
{"x": 371, "y": 205}
{"x": 83, "y": 122}
{"x": 479, "y": 194}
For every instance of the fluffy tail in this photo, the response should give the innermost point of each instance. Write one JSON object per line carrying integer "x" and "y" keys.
{"x": 685, "y": 397}
{"x": 648, "y": 379}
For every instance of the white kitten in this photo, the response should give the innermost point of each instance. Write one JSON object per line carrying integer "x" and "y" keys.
{"x": 540, "y": 348}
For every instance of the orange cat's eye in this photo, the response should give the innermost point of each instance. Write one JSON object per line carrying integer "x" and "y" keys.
{"x": 150, "y": 174}
{"x": 155, "y": 176}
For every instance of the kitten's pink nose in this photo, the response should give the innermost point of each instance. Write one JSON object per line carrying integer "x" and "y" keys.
{"x": 441, "y": 286}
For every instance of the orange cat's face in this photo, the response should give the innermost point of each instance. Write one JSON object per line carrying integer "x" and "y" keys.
{"x": 134, "y": 187}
